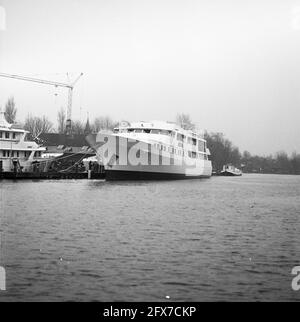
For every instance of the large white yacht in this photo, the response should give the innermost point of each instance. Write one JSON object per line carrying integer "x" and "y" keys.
{"x": 16, "y": 152}
{"x": 152, "y": 150}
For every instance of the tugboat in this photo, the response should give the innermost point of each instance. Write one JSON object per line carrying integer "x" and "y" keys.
{"x": 230, "y": 170}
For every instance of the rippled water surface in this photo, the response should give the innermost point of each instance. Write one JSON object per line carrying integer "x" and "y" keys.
{"x": 196, "y": 240}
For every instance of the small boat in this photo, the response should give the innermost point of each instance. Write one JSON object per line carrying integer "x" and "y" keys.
{"x": 214, "y": 172}
{"x": 230, "y": 170}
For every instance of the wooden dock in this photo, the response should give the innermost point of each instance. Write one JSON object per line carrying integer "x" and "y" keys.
{"x": 50, "y": 175}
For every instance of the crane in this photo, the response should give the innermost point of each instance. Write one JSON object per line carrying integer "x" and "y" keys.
{"x": 70, "y": 87}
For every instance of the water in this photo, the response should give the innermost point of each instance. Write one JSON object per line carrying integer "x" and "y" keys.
{"x": 215, "y": 239}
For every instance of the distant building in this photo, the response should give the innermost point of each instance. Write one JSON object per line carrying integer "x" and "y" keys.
{"x": 64, "y": 143}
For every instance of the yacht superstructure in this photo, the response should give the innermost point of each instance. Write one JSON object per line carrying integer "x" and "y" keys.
{"x": 152, "y": 150}
{"x": 17, "y": 153}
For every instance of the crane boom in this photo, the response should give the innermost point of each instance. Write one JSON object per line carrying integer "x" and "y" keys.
{"x": 36, "y": 80}
{"x": 56, "y": 84}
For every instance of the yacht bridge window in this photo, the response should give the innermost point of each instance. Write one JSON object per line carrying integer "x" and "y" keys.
{"x": 201, "y": 146}
{"x": 192, "y": 141}
{"x": 163, "y": 132}
{"x": 152, "y": 131}
{"x": 192, "y": 154}
{"x": 180, "y": 137}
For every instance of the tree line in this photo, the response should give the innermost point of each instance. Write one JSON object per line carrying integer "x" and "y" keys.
{"x": 222, "y": 150}
{"x": 41, "y": 124}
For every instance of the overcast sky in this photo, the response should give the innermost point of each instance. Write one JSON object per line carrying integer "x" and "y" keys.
{"x": 234, "y": 66}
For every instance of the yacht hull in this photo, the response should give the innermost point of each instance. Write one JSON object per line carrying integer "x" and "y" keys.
{"x": 112, "y": 175}
{"x": 229, "y": 174}
{"x": 155, "y": 164}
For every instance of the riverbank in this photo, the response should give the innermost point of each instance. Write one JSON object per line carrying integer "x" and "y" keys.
{"x": 51, "y": 175}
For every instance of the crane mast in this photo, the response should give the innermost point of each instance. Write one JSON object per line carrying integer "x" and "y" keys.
{"x": 56, "y": 84}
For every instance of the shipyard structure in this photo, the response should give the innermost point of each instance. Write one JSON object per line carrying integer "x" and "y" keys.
{"x": 50, "y": 155}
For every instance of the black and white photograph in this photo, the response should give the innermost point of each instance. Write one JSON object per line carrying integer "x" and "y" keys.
{"x": 149, "y": 153}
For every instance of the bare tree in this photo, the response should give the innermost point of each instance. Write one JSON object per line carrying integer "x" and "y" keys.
{"x": 222, "y": 150}
{"x": 184, "y": 121}
{"x": 103, "y": 123}
{"x": 78, "y": 127}
{"x": 37, "y": 125}
{"x": 10, "y": 110}
{"x": 61, "y": 120}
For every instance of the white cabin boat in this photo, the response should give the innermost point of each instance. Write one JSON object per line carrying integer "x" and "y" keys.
{"x": 152, "y": 150}
{"x": 17, "y": 153}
